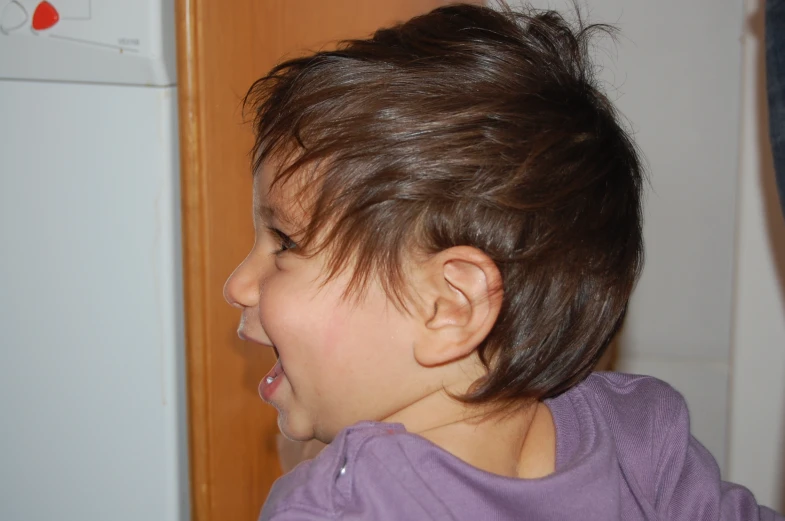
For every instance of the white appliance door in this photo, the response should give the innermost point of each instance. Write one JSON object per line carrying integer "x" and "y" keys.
{"x": 91, "y": 352}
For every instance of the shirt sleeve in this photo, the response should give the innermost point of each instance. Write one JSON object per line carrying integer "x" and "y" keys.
{"x": 691, "y": 488}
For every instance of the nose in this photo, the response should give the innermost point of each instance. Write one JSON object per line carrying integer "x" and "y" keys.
{"x": 241, "y": 289}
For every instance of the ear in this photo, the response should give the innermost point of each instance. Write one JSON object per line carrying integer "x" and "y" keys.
{"x": 462, "y": 288}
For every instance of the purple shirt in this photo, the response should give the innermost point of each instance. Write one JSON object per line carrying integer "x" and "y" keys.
{"x": 623, "y": 452}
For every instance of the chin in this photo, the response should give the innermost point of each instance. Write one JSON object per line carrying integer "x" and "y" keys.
{"x": 304, "y": 430}
{"x": 294, "y": 430}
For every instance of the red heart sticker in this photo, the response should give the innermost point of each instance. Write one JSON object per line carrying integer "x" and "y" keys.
{"x": 45, "y": 16}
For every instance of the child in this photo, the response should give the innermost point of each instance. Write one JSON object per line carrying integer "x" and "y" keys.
{"x": 448, "y": 229}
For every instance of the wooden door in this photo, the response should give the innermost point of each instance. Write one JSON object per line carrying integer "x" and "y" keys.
{"x": 223, "y": 46}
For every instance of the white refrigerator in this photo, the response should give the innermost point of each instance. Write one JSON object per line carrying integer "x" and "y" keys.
{"x": 92, "y": 407}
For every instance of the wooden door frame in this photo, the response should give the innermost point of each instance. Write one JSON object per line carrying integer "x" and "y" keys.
{"x": 193, "y": 198}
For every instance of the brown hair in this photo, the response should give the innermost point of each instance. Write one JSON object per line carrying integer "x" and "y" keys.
{"x": 471, "y": 126}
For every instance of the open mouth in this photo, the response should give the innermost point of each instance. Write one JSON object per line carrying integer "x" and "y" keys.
{"x": 277, "y": 369}
{"x": 274, "y": 373}
{"x": 272, "y": 379}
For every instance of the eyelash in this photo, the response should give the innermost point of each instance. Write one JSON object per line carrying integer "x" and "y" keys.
{"x": 286, "y": 242}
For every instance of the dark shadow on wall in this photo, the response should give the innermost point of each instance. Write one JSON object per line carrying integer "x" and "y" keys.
{"x": 773, "y": 216}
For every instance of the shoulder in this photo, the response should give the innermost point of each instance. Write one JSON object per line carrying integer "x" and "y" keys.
{"x": 638, "y": 410}
{"x": 669, "y": 473}
{"x": 648, "y": 423}
{"x": 327, "y": 486}
{"x": 635, "y": 410}
{"x": 626, "y": 398}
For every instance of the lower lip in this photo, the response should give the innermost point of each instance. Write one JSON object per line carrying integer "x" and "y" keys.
{"x": 266, "y": 387}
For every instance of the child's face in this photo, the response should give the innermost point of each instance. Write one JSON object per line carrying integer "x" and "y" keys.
{"x": 342, "y": 361}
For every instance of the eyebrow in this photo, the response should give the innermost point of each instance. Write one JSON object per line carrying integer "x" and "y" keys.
{"x": 266, "y": 212}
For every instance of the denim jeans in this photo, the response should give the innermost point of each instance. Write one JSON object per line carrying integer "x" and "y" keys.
{"x": 775, "y": 83}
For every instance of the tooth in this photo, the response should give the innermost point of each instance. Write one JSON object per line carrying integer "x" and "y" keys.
{"x": 270, "y": 379}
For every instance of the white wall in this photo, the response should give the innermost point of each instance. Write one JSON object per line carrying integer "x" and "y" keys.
{"x": 757, "y": 435}
{"x": 674, "y": 73}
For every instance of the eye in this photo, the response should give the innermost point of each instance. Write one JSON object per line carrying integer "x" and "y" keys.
{"x": 286, "y": 243}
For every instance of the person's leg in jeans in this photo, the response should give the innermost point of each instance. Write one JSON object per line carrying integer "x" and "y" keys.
{"x": 775, "y": 80}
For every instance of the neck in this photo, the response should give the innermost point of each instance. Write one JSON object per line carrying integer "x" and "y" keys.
{"x": 520, "y": 443}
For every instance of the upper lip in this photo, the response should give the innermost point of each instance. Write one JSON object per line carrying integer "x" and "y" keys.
{"x": 248, "y": 338}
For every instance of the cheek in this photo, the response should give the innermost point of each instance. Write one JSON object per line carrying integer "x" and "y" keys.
{"x": 298, "y": 317}
{"x": 334, "y": 330}
{"x": 279, "y": 312}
